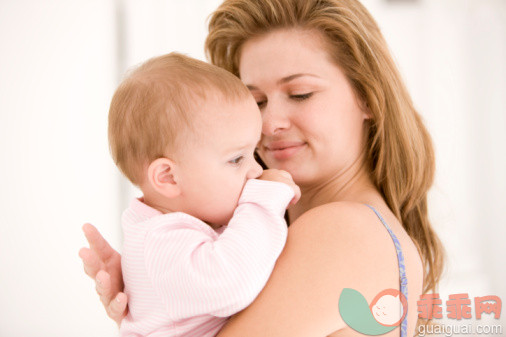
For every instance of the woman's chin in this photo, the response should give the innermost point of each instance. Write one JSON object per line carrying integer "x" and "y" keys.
{"x": 301, "y": 174}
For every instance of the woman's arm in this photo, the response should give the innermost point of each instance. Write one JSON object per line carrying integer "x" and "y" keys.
{"x": 103, "y": 264}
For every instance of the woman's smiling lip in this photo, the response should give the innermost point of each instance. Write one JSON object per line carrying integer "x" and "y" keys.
{"x": 281, "y": 150}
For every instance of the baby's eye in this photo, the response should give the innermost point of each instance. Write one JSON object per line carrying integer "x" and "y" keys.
{"x": 301, "y": 97}
{"x": 236, "y": 160}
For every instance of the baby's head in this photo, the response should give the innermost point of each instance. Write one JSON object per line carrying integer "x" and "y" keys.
{"x": 185, "y": 131}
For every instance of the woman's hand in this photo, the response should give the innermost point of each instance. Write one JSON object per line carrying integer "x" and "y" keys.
{"x": 103, "y": 264}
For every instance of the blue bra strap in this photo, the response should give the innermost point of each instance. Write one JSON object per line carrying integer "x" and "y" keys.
{"x": 402, "y": 270}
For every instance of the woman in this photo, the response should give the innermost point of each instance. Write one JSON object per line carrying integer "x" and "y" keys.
{"x": 337, "y": 116}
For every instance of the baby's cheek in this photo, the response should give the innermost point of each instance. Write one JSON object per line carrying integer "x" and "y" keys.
{"x": 228, "y": 194}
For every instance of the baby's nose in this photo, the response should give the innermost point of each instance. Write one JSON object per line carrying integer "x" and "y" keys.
{"x": 255, "y": 171}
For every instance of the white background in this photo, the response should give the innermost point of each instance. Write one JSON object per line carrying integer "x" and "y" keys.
{"x": 61, "y": 60}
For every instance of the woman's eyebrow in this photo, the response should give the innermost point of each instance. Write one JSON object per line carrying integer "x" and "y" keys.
{"x": 293, "y": 77}
{"x": 285, "y": 80}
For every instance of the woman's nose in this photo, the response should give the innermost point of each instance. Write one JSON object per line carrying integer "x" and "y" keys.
{"x": 274, "y": 119}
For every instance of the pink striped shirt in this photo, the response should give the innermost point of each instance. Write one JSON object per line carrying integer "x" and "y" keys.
{"x": 183, "y": 278}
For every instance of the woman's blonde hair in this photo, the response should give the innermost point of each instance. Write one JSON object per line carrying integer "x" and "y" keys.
{"x": 400, "y": 153}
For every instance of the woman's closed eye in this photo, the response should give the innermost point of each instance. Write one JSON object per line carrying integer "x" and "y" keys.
{"x": 301, "y": 97}
{"x": 261, "y": 103}
{"x": 236, "y": 161}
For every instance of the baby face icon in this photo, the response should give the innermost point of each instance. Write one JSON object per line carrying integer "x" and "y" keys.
{"x": 389, "y": 307}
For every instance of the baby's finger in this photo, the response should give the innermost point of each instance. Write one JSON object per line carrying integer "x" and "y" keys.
{"x": 285, "y": 174}
{"x": 297, "y": 194}
{"x": 91, "y": 262}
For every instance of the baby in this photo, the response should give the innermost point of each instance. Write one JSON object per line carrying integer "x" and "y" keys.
{"x": 202, "y": 241}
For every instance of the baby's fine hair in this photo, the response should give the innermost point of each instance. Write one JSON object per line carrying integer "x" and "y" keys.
{"x": 154, "y": 107}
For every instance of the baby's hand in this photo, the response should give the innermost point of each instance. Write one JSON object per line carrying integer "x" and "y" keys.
{"x": 282, "y": 177}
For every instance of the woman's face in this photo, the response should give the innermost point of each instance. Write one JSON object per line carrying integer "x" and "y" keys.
{"x": 312, "y": 121}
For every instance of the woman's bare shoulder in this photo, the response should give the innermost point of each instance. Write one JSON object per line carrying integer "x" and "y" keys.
{"x": 333, "y": 214}
{"x": 342, "y": 235}
{"x": 342, "y": 222}
{"x": 349, "y": 236}
{"x": 348, "y": 241}
{"x": 328, "y": 248}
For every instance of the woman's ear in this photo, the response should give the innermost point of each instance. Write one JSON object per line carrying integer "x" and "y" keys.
{"x": 366, "y": 111}
{"x": 162, "y": 177}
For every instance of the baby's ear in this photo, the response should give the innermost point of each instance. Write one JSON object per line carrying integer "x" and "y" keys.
{"x": 161, "y": 177}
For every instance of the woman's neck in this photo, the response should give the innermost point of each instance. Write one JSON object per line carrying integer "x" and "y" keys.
{"x": 350, "y": 184}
